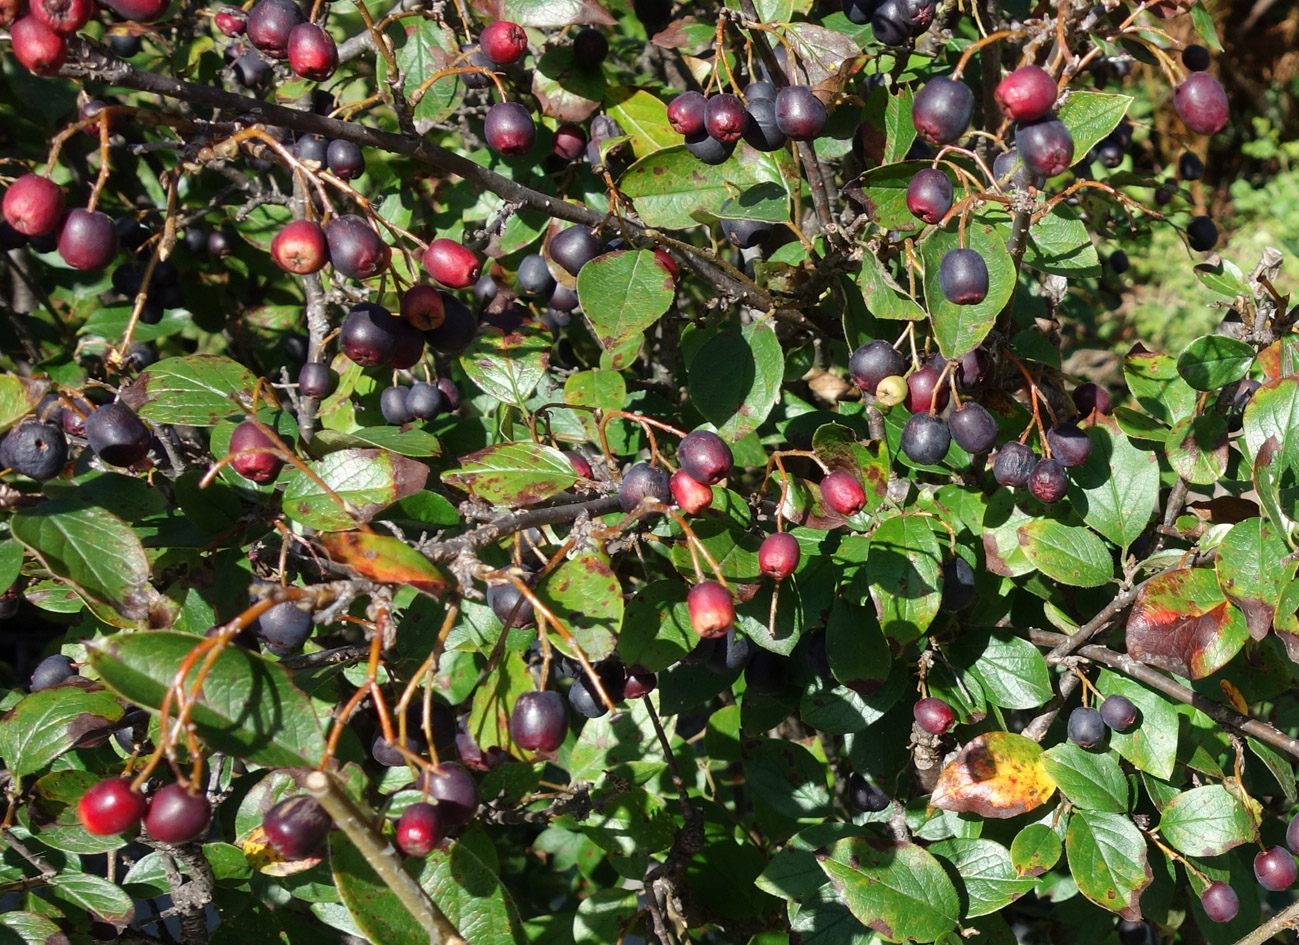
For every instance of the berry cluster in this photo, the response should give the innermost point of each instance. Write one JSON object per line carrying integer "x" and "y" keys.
{"x": 712, "y": 125}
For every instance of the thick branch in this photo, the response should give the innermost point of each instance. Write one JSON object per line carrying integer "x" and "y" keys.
{"x": 517, "y": 522}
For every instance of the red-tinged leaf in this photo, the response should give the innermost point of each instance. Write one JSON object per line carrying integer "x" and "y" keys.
{"x": 384, "y": 559}
{"x": 1182, "y": 623}
{"x": 545, "y": 13}
{"x": 998, "y": 774}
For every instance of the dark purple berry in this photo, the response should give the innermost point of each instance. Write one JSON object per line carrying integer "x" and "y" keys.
{"x": 368, "y": 335}
{"x": 929, "y": 195}
{"x": 355, "y": 249}
{"x": 1069, "y": 444}
{"x": 1275, "y": 868}
{"x": 270, "y": 22}
{"x": 539, "y": 721}
{"x": 873, "y": 362}
{"x": 283, "y": 628}
{"x": 177, "y": 816}
{"x": 963, "y": 277}
{"x": 1048, "y": 482}
{"x": 973, "y": 428}
{"x": 764, "y": 131}
{"x": 1195, "y": 58}
{"x": 1086, "y": 728}
{"x": 941, "y": 110}
{"x": 574, "y": 247}
{"x": 297, "y": 826}
{"x": 117, "y": 436}
{"x": 1220, "y": 902}
{"x": 1014, "y": 464}
{"x": 644, "y": 481}
{"x": 725, "y": 118}
{"x": 50, "y": 672}
{"x": 926, "y": 439}
{"x": 1118, "y": 713}
{"x": 1045, "y": 147}
{"x": 509, "y": 129}
{"x": 1201, "y": 103}
{"x": 866, "y": 796}
{"x": 708, "y": 149}
{"x": 1202, "y": 234}
{"x": 799, "y": 113}
{"x": 316, "y": 380}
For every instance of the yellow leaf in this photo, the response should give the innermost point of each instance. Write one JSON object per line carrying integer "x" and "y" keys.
{"x": 998, "y": 774}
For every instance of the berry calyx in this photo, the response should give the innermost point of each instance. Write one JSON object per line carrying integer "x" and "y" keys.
{"x": 503, "y": 42}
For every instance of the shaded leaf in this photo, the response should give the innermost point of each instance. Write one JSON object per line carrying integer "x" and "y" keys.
{"x": 196, "y": 390}
{"x": 49, "y": 722}
{"x": 905, "y": 563}
{"x": 988, "y": 876}
{"x": 738, "y": 399}
{"x": 1213, "y": 361}
{"x": 898, "y": 889}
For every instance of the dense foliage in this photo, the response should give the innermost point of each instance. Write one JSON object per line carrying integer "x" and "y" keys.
{"x": 554, "y": 471}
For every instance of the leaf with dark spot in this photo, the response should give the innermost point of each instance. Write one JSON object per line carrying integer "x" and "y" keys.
{"x": 997, "y": 774}
{"x": 384, "y": 559}
{"x": 1182, "y": 623}
{"x": 45, "y": 724}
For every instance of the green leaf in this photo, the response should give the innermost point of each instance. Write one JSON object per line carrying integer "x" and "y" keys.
{"x": 18, "y": 398}
{"x": 1107, "y": 857}
{"x": 17, "y": 928}
{"x": 464, "y": 884}
{"x": 367, "y": 480}
{"x": 507, "y": 367}
{"x": 1116, "y": 489}
{"x": 1223, "y": 277}
{"x": 986, "y": 872}
{"x": 1011, "y": 670}
{"x": 787, "y": 777}
{"x": 898, "y": 889}
{"x": 1066, "y": 553}
{"x": 563, "y": 90}
{"x": 633, "y": 824}
{"x": 585, "y": 593}
{"x": 513, "y": 474}
{"x": 1090, "y": 116}
{"x": 1091, "y": 780}
{"x": 1204, "y": 25}
{"x": 11, "y": 561}
{"x": 1035, "y": 850}
{"x": 247, "y": 708}
{"x": 1152, "y": 745}
{"x": 1157, "y": 387}
{"x": 737, "y": 400}
{"x": 550, "y": 14}
{"x": 959, "y": 328}
{"x": 93, "y": 894}
{"x": 621, "y": 746}
{"x": 1182, "y": 623}
{"x": 51, "y": 813}
{"x": 883, "y": 296}
{"x": 643, "y": 117}
{"x": 1196, "y": 448}
{"x": 196, "y": 390}
{"x": 602, "y": 916}
{"x": 49, "y": 722}
{"x": 1206, "y": 821}
{"x": 1273, "y": 414}
{"x": 899, "y": 129}
{"x": 672, "y": 189}
{"x": 905, "y": 563}
{"x": 91, "y": 549}
{"x": 623, "y": 293}
{"x": 1213, "y": 361}
{"x": 1253, "y": 571}
{"x": 1058, "y": 243}
{"x": 412, "y": 442}
{"x": 375, "y": 908}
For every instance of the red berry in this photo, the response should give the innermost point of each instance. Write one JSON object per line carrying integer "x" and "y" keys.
{"x": 269, "y": 24}
{"x": 418, "y": 829}
{"x": 33, "y": 205}
{"x": 712, "y": 609}
{"x": 423, "y": 307}
{"x": 312, "y": 52}
{"x": 140, "y": 11}
{"x": 924, "y": 392}
{"x": 177, "y": 816}
{"x": 668, "y": 263}
{"x": 231, "y": 21}
{"x": 842, "y": 493}
{"x": 37, "y": 47}
{"x": 934, "y": 715}
{"x": 63, "y": 16}
{"x": 452, "y": 264}
{"x": 1200, "y": 101}
{"x": 570, "y": 141}
{"x": 111, "y": 807}
{"x": 778, "y": 555}
{"x": 1274, "y": 868}
{"x": 503, "y": 42}
{"x": 690, "y": 494}
{"x": 1220, "y": 902}
{"x": 88, "y": 239}
{"x": 639, "y": 685}
{"x": 300, "y": 248}
{"x": 581, "y": 465}
{"x": 725, "y": 118}
{"x": 255, "y": 467}
{"x": 1027, "y": 94}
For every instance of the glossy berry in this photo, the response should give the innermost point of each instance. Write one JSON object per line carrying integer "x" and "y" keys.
{"x": 117, "y": 436}
{"x": 1045, "y": 147}
{"x": 1202, "y": 234}
{"x": 423, "y": 307}
{"x": 33, "y": 205}
{"x": 1048, "y": 482}
{"x": 312, "y": 52}
{"x": 1220, "y": 902}
{"x": 958, "y": 585}
{"x": 866, "y": 796}
{"x": 1274, "y": 868}
{"x": 297, "y": 826}
{"x": 929, "y": 195}
{"x": 300, "y": 247}
{"x": 799, "y": 113}
{"x": 392, "y": 404}
{"x": 705, "y": 456}
{"x": 424, "y": 401}
{"x": 756, "y": 91}
{"x": 842, "y": 493}
{"x": 177, "y": 816}
{"x": 368, "y": 335}
{"x": 140, "y": 11}
{"x": 778, "y": 555}
{"x": 36, "y": 46}
{"x": 639, "y": 685}
{"x": 1189, "y": 166}
{"x": 1201, "y": 103}
{"x": 725, "y": 118}
{"x": 251, "y": 71}
{"x": 746, "y": 234}
{"x": 270, "y": 23}
{"x": 450, "y": 393}
{"x": 316, "y": 380}
{"x": 706, "y": 148}
{"x": 926, "y": 439}
{"x": 111, "y": 807}
{"x": 585, "y": 698}
{"x": 643, "y": 481}
{"x": 231, "y": 21}
{"x": 934, "y": 716}
{"x": 63, "y": 16}
{"x": 284, "y": 628}
{"x": 255, "y": 467}
{"x": 452, "y": 264}
{"x": 1027, "y": 94}
{"x": 1086, "y": 728}
{"x": 924, "y": 391}
{"x": 963, "y": 277}
{"x": 1195, "y": 58}
{"x": 1118, "y": 713}
{"x": 345, "y": 159}
{"x": 691, "y": 495}
{"x": 539, "y": 721}
{"x": 34, "y": 449}
{"x": 454, "y": 790}
{"x": 573, "y": 248}
{"x": 533, "y": 276}
{"x": 973, "y": 428}
{"x": 88, "y": 239}
{"x": 873, "y": 362}
{"x": 1013, "y": 465}
{"x": 50, "y": 672}
{"x": 712, "y": 609}
{"x": 418, "y": 829}
{"x": 860, "y": 11}
{"x": 355, "y": 250}
{"x": 941, "y": 110}
{"x": 581, "y": 465}
{"x": 764, "y": 131}
{"x": 509, "y": 129}
{"x": 590, "y": 47}
{"x": 1010, "y": 171}
{"x": 503, "y": 42}
{"x": 1069, "y": 444}
{"x": 686, "y": 113}
{"x": 1088, "y": 397}
{"x": 220, "y": 243}
{"x": 510, "y": 606}
{"x": 888, "y": 24}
